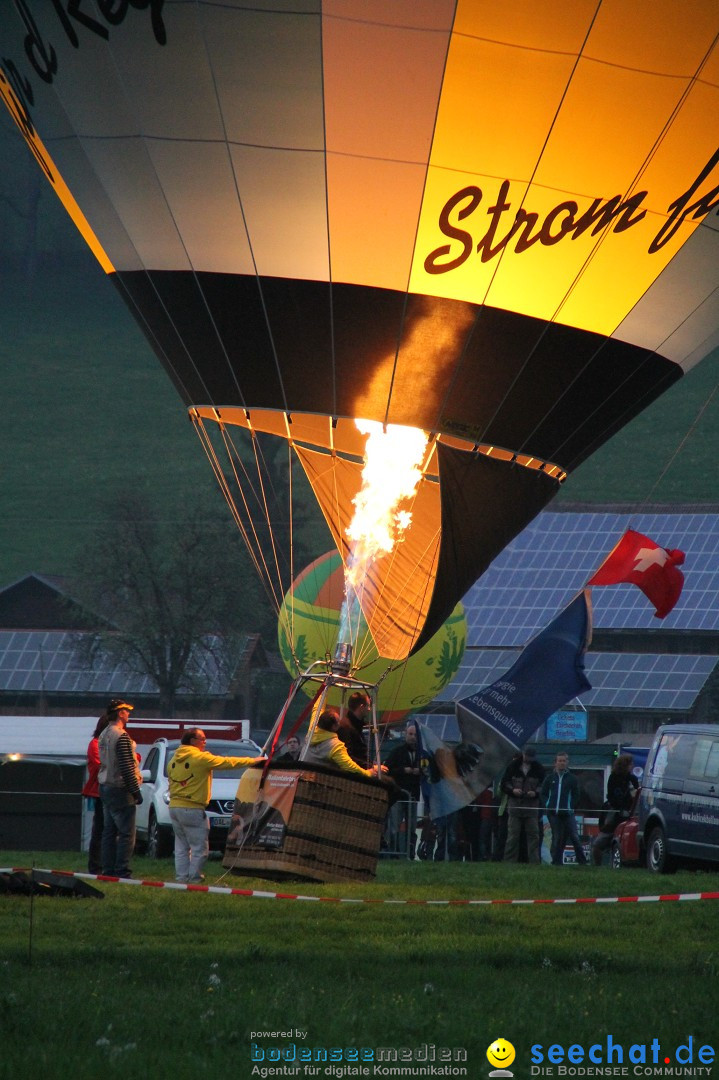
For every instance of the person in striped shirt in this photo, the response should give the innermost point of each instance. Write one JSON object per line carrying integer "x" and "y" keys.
{"x": 119, "y": 779}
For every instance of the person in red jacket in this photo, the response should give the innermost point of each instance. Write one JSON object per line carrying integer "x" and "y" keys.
{"x": 91, "y": 791}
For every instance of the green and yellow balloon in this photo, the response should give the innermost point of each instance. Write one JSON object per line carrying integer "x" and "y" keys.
{"x": 310, "y": 616}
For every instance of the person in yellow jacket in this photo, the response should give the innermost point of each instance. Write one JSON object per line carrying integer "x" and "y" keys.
{"x": 326, "y": 749}
{"x": 190, "y": 776}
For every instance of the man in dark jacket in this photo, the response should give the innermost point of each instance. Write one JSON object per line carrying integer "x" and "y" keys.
{"x": 403, "y": 767}
{"x": 521, "y": 783}
{"x": 351, "y": 729}
{"x": 560, "y": 795}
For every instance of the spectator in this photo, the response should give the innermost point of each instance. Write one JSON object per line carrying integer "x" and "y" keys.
{"x": 478, "y": 827}
{"x": 622, "y": 787}
{"x": 500, "y": 800}
{"x": 403, "y": 767}
{"x": 91, "y": 791}
{"x": 559, "y": 795}
{"x": 447, "y": 848}
{"x": 327, "y": 749}
{"x": 291, "y": 751}
{"x": 521, "y": 783}
{"x": 119, "y": 780}
{"x": 351, "y": 728}
{"x": 190, "y": 776}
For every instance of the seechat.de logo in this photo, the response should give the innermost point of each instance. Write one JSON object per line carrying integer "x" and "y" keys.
{"x": 500, "y": 1054}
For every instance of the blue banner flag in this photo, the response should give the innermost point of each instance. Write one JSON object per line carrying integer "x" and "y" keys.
{"x": 548, "y": 673}
{"x": 451, "y": 775}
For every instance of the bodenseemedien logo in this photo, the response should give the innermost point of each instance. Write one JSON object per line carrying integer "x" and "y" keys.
{"x": 500, "y": 1054}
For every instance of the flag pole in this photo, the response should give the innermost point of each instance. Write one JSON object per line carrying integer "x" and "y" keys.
{"x": 607, "y": 557}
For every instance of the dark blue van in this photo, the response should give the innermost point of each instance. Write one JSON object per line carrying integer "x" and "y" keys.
{"x": 679, "y": 800}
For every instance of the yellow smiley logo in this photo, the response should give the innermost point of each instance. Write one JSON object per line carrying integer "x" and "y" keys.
{"x": 500, "y": 1054}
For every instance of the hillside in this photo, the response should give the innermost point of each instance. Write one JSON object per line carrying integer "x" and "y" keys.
{"x": 665, "y": 455}
{"x": 89, "y": 412}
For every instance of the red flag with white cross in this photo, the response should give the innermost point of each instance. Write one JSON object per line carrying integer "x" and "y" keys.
{"x": 637, "y": 560}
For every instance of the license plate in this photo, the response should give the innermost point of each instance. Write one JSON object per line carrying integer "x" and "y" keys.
{"x": 220, "y": 822}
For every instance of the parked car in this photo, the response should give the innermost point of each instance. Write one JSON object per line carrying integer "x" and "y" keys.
{"x": 154, "y": 828}
{"x": 678, "y": 814}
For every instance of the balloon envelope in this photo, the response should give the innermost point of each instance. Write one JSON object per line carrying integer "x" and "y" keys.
{"x": 494, "y": 222}
{"x": 308, "y": 631}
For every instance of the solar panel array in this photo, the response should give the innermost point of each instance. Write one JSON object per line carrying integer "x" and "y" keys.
{"x": 444, "y": 725}
{"x": 47, "y": 661}
{"x": 552, "y": 559}
{"x": 536, "y": 576}
{"x": 619, "y": 679}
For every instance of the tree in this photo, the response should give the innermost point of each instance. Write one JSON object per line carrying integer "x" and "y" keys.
{"x": 174, "y": 599}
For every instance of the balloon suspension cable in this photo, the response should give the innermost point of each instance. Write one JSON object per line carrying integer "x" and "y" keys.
{"x": 233, "y": 455}
{"x": 275, "y": 589}
{"x": 227, "y": 493}
{"x": 374, "y": 734}
{"x": 682, "y": 443}
{"x": 274, "y": 737}
{"x": 241, "y": 511}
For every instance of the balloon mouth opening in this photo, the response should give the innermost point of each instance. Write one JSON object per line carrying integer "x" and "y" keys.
{"x": 342, "y": 659}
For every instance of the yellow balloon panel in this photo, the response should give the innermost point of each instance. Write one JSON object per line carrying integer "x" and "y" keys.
{"x": 622, "y": 111}
{"x": 551, "y": 26}
{"x": 659, "y": 36}
{"x": 373, "y": 207}
{"x": 498, "y": 103}
{"x": 526, "y": 128}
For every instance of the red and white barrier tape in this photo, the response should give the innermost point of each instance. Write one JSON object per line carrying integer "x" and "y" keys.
{"x": 262, "y": 895}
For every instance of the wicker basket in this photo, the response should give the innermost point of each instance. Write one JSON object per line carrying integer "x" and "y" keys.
{"x": 333, "y": 832}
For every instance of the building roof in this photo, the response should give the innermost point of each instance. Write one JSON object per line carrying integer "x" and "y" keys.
{"x": 40, "y": 602}
{"x": 669, "y": 681}
{"x": 544, "y": 567}
{"x": 47, "y": 661}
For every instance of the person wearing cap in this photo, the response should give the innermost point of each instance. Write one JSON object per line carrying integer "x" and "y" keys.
{"x": 119, "y": 780}
{"x": 521, "y": 783}
{"x": 190, "y": 781}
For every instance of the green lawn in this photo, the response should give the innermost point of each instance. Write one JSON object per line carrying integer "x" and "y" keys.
{"x": 173, "y": 984}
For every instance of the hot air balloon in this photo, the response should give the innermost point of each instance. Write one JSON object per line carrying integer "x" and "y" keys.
{"x": 491, "y": 222}
{"x": 308, "y": 631}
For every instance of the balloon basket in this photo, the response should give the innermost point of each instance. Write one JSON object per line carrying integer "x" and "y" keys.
{"x": 312, "y": 823}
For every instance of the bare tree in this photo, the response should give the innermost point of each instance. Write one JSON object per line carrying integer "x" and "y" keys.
{"x": 174, "y": 600}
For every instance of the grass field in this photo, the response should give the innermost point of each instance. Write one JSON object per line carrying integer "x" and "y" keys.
{"x": 172, "y": 984}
